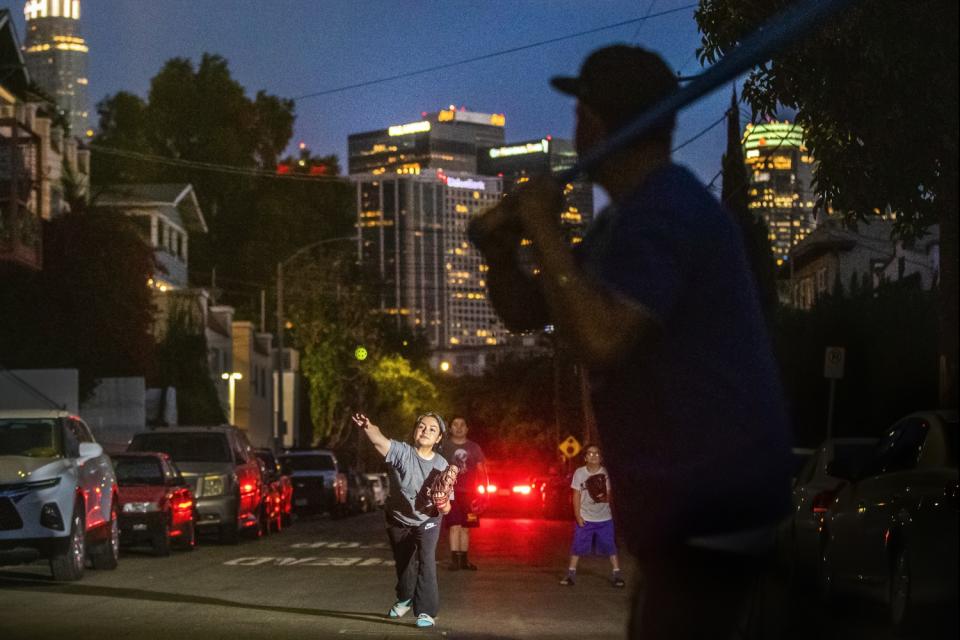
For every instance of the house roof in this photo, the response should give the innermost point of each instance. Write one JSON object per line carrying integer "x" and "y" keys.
{"x": 831, "y": 236}
{"x": 176, "y": 201}
{"x": 11, "y": 58}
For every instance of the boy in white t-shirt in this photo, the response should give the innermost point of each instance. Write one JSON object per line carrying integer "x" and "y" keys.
{"x": 593, "y": 532}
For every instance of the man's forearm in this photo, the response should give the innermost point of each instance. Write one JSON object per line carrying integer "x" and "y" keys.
{"x": 600, "y": 325}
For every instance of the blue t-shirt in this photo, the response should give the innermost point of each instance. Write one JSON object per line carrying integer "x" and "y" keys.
{"x": 693, "y": 426}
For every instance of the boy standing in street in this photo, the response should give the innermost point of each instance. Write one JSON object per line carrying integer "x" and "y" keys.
{"x": 468, "y": 456}
{"x": 593, "y": 532}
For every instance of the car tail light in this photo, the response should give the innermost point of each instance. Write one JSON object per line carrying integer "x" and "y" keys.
{"x": 821, "y": 502}
{"x": 522, "y": 488}
{"x": 247, "y": 488}
{"x": 491, "y": 488}
{"x": 481, "y": 489}
{"x": 183, "y": 506}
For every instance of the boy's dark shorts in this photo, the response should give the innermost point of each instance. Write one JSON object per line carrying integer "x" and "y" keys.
{"x": 461, "y": 515}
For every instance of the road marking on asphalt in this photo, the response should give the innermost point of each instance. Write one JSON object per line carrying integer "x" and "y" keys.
{"x": 254, "y": 561}
{"x": 337, "y": 544}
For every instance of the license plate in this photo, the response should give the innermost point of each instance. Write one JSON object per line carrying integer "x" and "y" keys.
{"x": 139, "y": 527}
{"x": 300, "y": 502}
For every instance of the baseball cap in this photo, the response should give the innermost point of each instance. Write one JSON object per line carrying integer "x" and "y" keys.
{"x": 619, "y": 82}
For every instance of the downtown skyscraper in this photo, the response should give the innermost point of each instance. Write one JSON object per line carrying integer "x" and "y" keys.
{"x": 780, "y": 174}
{"x": 56, "y": 57}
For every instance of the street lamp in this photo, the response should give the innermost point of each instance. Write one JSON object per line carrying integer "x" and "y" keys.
{"x": 231, "y": 379}
{"x": 281, "y": 426}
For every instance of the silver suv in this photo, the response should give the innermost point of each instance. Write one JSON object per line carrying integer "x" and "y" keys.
{"x": 58, "y": 494}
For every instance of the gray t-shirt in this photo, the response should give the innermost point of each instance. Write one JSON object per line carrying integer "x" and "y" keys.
{"x": 589, "y": 510}
{"x": 410, "y": 480}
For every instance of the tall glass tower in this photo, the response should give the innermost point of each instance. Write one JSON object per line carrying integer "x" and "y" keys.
{"x": 56, "y": 57}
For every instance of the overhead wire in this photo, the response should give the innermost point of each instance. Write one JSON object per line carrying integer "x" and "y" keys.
{"x": 493, "y": 54}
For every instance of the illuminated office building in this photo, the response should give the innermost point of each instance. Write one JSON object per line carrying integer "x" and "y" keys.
{"x": 780, "y": 183}
{"x": 447, "y": 140}
{"x": 56, "y": 57}
{"x": 516, "y": 163}
{"x": 413, "y": 229}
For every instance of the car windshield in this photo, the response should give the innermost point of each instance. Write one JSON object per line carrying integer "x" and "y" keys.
{"x": 853, "y": 456}
{"x": 41, "y": 438}
{"x": 185, "y": 447}
{"x": 308, "y": 463}
{"x": 138, "y": 471}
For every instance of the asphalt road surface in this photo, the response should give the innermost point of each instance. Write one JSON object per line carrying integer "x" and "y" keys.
{"x": 324, "y": 578}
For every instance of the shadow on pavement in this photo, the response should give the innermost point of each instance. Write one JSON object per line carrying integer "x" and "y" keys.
{"x": 10, "y": 580}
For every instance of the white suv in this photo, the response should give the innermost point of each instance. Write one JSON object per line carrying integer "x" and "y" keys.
{"x": 58, "y": 493}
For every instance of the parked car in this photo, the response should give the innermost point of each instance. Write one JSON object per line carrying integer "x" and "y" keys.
{"x": 278, "y": 500}
{"x": 157, "y": 506}
{"x": 318, "y": 482}
{"x": 891, "y": 533}
{"x": 221, "y": 469}
{"x": 378, "y": 487}
{"x": 360, "y": 498}
{"x": 556, "y": 497}
{"x": 510, "y": 489}
{"x": 58, "y": 492}
{"x": 813, "y": 491}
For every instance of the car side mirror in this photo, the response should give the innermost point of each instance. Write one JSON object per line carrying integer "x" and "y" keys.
{"x": 90, "y": 450}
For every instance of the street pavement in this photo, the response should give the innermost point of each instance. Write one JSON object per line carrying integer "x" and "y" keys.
{"x": 320, "y": 578}
{"x": 324, "y": 578}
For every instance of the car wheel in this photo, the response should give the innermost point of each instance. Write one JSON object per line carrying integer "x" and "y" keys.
{"x": 161, "y": 541}
{"x": 106, "y": 555}
{"x": 188, "y": 539}
{"x": 70, "y": 559}
{"x": 901, "y": 606}
{"x": 230, "y": 531}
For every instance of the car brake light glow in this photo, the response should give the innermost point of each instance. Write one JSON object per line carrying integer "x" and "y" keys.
{"x": 491, "y": 488}
{"x": 522, "y": 488}
{"x": 481, "y": 489}
{"x": 247, "y": 487}
{"x": 182, "y": 506}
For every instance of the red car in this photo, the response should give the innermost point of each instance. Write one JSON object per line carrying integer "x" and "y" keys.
{"x": 278, "y": 492}
{"x": 156, "y": 504}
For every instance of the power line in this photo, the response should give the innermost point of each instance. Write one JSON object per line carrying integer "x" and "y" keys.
{"x": 494, "y": 54}
{"x": 251, "y": 172}
{"x": 702, "y": 133}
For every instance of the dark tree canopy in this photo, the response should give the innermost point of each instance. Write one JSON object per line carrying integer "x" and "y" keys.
{"x": 876, "y": 92}
{"x": 89, "y": 308}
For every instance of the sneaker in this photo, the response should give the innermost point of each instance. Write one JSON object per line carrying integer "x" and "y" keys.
{"x": 425, "y": 620}
{"x": 568, "y": 581}
{"x": 399, "y": 609}
{"x": 617, "y": 581}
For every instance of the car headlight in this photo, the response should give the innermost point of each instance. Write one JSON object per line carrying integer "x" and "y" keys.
{"x": 140, "y": 507}
{"x": 213, "y": 486}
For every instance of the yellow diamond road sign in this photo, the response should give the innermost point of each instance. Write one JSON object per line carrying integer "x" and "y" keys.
{"x": 570, "y": 447}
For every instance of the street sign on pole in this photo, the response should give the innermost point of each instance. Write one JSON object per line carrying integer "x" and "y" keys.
{"x": 570, "y": 447}
{"x": 833, "y": 361}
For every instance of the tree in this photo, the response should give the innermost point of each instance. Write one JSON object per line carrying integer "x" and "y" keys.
{"x": 199, "y": 113}
{"x": 876, "y": 92}
{"x": 182, "y": 363}
{"x": 88, "y": 308}
{"x": 754, "y": 230}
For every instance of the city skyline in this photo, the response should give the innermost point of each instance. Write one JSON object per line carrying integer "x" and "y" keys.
{"x": 293, "y": 50}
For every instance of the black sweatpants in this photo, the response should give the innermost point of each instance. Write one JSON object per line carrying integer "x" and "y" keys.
{"x": 415, "y": 554}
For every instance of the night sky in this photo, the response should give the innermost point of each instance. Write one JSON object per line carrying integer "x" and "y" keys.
{"x": 292, "y": 48}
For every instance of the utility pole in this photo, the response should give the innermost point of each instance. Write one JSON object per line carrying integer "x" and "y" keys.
{"x": 281, "y": 427}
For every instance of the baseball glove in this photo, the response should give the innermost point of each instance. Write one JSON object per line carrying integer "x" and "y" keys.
{"x": 597, "y": 487}
{"x": 443, "y": 485}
